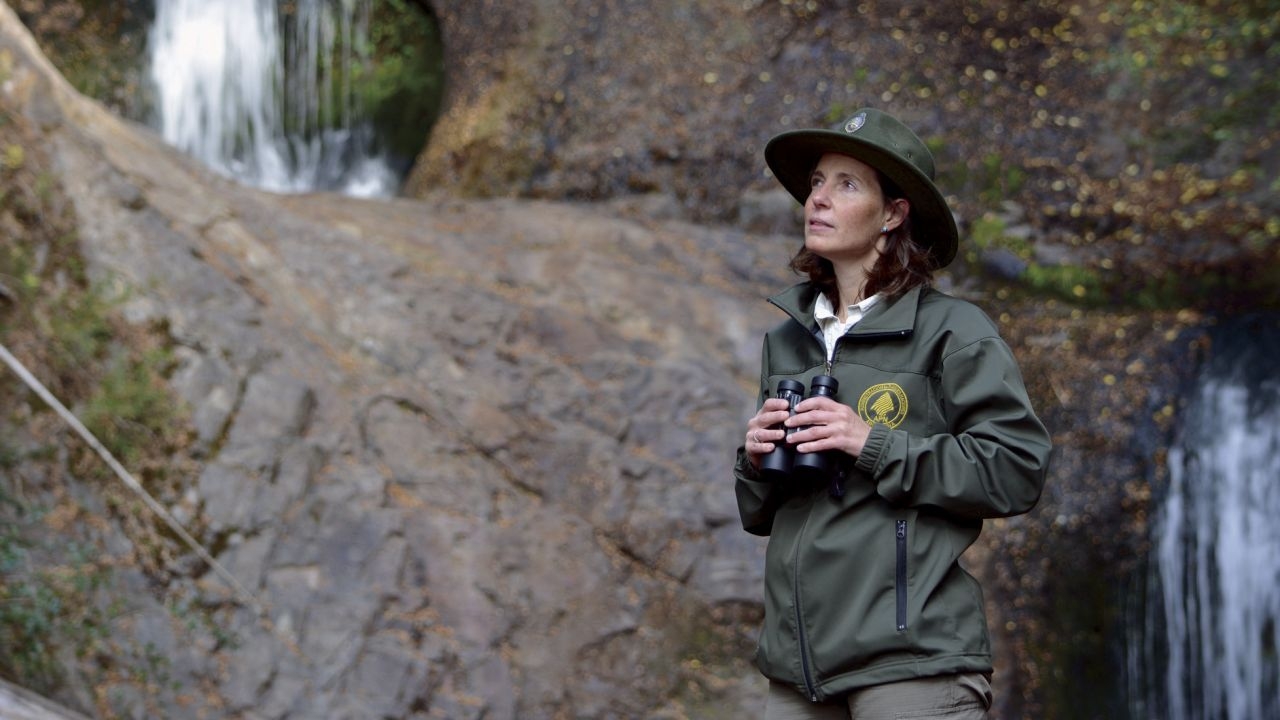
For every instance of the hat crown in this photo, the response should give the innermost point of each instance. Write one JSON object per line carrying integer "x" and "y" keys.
{"x": 888, "y": 133}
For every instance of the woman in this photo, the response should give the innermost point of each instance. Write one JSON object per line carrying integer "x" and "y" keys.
{"x": 868, "y": 613}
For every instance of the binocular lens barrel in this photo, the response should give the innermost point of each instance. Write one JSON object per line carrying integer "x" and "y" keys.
{"x": 777, "y": 463}
{"x": 783, "y": 460}
{"x": 818, "y": 464}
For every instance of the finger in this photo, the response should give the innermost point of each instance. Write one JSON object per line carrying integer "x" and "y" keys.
{"x": 819, "y": 403}
{"x": 816, "y": 446}
{"x": 761, "y": 436}
{"x": 774, "y": 418}
{"x": 809, "y": 434}
{"x": 820, "y": 432}
{"x": 756, "y": 445}
{"x": 812, "y": 418}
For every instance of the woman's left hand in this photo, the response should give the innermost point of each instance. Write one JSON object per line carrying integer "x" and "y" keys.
{"x": 832, "y": 426}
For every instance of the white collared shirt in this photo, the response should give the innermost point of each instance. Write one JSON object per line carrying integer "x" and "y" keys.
{"x": 831, "y": 326}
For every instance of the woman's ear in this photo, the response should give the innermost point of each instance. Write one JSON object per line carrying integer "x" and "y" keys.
{"x": 896, "y": 211}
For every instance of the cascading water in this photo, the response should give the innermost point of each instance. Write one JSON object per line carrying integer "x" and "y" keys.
{"x": 1208, "y": 647}
{"x": 266, "y": 98}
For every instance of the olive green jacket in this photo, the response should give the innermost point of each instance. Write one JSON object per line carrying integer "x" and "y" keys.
{"x": 862, "y": 581}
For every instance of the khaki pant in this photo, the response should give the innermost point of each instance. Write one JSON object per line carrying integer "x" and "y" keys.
{"x": 954, "y": 697}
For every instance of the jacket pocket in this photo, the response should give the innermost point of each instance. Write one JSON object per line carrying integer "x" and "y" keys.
{"x": 900, "y": 581}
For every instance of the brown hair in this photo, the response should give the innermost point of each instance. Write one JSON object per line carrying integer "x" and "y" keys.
{"x": 903, "y": 265}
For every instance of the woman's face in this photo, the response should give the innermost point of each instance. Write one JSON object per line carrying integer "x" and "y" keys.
{"x": 846, "y": 210}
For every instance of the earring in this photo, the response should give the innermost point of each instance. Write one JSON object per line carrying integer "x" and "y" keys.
{"x": 884, "y": 230}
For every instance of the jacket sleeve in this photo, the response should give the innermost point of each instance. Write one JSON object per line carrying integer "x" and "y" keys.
{"x": 993, "y": 460}
{"x": 757, "y": 497}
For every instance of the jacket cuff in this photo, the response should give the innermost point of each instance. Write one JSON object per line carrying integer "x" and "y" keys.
{"x": 744, "y": 470}
{"x": 873, "y": 449}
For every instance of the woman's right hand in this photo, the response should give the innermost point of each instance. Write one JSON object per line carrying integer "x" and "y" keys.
{"x": 761, "y": 434}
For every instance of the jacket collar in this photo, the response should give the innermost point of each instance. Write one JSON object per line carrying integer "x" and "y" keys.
{"x": 895, "y": 317}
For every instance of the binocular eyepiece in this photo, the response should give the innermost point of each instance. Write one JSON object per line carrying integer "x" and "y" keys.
{"x": 783, "y": 461}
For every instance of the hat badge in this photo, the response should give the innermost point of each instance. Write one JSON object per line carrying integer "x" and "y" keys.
{"x": 855, "y": 123}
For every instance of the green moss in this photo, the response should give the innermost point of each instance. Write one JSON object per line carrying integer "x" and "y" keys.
{"x": 1071, "y": 282}
{"x": 988, "y": 233}
{"x": 130, "y": 410}
{"x": 1249, "y": 282}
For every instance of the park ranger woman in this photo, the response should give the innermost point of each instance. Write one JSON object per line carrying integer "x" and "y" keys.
{"x": 926, "y": 425}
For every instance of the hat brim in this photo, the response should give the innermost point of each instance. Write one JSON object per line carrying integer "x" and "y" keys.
{"x": 793, "y": 155}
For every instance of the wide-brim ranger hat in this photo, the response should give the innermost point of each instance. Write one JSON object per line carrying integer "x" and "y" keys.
{"x": 883, "y": 142}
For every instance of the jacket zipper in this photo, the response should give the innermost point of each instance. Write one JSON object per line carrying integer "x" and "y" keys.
{"x": 801, "y": 637}
{"x": 902, "y": 575}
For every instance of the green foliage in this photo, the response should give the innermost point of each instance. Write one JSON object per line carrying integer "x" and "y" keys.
{"x": 404, "y": 88}
{"x": 1071, "y": 282}
{"x": 101, "y": 49}
{"x": 988, "y": 233}
{"x": 130, "y": 410}
{"x": 991, "y": 179}
{"x": 45, "y": 606}
{"x": 197, "y": 618}
{"x": 999, "y": 178}
{"x": 1203, "y": 69}
{"x": 79, "y": 323}
{"x": 1167, "y": 205}
{"x": 125, "y": 403}
{"x": 56, "y": 602}
{"x": 396, "y": 77}
{"x": 98, "y": 45}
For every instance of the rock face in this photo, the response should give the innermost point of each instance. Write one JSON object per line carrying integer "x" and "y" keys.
{"x": 460, "y": 451}
{"x": 595, "y": 100}
{"x": 591, "y": 100}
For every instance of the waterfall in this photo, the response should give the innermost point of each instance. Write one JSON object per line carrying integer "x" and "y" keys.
{"x": 266, "y": 97}
{"x": 1213, "y": 604}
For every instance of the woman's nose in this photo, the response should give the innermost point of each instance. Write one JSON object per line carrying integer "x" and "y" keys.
{"x": 817, "y": 197}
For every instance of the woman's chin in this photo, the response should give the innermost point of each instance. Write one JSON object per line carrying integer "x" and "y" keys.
{"x": 817, "y": 245}
{"x": 821, "y": 247}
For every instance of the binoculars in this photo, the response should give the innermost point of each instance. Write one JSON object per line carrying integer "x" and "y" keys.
{"x": 783, "y": 461}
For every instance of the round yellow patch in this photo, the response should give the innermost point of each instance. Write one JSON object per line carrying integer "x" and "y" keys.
{"x": 884, "y": 404}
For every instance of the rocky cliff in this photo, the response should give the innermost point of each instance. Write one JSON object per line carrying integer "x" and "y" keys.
{"x": 472, "y": 457}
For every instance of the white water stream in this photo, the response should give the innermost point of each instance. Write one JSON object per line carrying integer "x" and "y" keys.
{"x": 268, "y": 102}
{"x": 1217, "y": 554}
